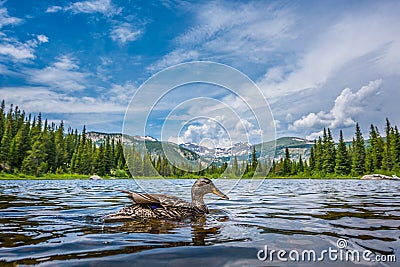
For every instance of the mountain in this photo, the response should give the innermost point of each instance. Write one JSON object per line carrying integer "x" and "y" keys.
{"x": 297, "y": 146}
{"x": 153, "y": 146}
{"x": 241, "y": 150}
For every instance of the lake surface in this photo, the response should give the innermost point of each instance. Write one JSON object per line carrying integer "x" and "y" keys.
{"x": 60, "y": 223}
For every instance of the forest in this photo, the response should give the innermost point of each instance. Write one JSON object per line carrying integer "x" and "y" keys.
{"x": 35, "y": 147}
{"x": 375, "y": 155}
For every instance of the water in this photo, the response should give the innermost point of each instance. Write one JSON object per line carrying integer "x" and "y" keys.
{"x": 60, "y": 223}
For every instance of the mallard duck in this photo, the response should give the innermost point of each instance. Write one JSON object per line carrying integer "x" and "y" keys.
{"x": 164, "y": 206}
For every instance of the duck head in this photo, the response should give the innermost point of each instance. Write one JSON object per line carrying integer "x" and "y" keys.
{"x": 201, "y": 187}
{"x": 204, "y": 186}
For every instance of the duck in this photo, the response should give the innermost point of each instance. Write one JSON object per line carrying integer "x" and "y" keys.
{"x": 165, "y": 206}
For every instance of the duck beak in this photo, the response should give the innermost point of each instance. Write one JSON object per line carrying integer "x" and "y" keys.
{"x": 219, "y": 193}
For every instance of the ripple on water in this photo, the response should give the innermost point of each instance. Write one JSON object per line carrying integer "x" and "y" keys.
{"x": 61, "y": 222}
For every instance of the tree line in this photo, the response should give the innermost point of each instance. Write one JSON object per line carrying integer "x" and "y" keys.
{"x": 380, "y": 154}
{"x": 35, "y": 147}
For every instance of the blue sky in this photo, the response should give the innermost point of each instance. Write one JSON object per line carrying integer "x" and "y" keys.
{"x": 318, "y": 63}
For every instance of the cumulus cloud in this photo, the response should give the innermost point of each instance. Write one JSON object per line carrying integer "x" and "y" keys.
{"x": 315, "y": 135}
{"x": 347, "y": 106}
{"x": 124, "y": 33}
{"x": 207, "y": 130}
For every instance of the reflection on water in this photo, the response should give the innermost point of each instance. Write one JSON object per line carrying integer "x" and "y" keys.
{"x": 61, "y": 223}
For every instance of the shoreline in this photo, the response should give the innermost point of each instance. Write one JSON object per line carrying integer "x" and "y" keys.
{"x": 86, "y": 177}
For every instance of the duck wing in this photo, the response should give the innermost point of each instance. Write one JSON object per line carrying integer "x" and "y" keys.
{"x": 163, "y": 200}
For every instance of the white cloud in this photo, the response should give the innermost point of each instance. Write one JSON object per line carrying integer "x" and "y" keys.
{"x": 42, "y": 99}
{"x": 17, "y": 51}
{"x": 6, "y": 19}
{"x": 231, "y": 31}
{"x": 207, "y": 130}
{"x": 124, "y": 33}
{"x": 63, "y": 75}
{"x": 315, "y": 135}
{"x": 53, "y": 9}
{"x": 175, "y": 57}
{"x": 43, "y": 38}
{"x": 366, "y": 33}
{"x": 347, "y": 106}
{"x": 121, "y": 94}
{"x": 89, "y": 7}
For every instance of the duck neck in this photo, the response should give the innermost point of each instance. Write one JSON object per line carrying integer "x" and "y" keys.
{"x": 198, "y": 202}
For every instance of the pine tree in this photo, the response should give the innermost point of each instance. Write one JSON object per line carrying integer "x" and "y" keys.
{"x": 358, "y": 159}
{"x": 235, "y": 167}
{"x": 312, "y": 158}
{"x": 342, "y": 166}
{"x": 35, "y": 161}
{"x": 387, "y": 163}
{"x": 254, "y": 159}
{"x": 328, "y": 157}
{"x": 375, "y": 151}
{"x": 318, "y": 155}
{"x": 2, "y": 118}
{"x": 100, "y": 161}
{"x": 60, "y": 155}
{"x": 395, "y": 149}
{"x": 5, "y": 145}
{"x": 300, "y": 166}
{"x": 286, "y": 163}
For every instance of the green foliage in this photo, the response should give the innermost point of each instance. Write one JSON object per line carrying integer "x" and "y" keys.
{"x": 342, "y": 161}
{"x": 327, "y": 160}
{"x": 358, "y": 155}
{"x": 36, "y": 149}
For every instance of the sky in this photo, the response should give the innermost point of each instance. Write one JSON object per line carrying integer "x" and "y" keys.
{"x": 317, "y": 63}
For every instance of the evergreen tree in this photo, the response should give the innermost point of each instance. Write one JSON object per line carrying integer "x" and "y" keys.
{"x": 254, "y": 159}
{"x": 300, "y": 167}
{"x": 387, "y": 163}
{"x": 318, "y": 155}
{"x": 395, "y": 149}
{"x": 2, "y": 118}
{"x": 35, "y": 161}
{"x": 286, "y": 163}
{"x": 374, "y": 153}
{"x": 312, "y": 158}
{"x": 342, "y": 166}
{"x": 358, "y": 158}
{"x": 61, "y": 153}
{"x": 235, "y": 167}
{"x": 5, "y": 145}
{"x": 328, "y": 153}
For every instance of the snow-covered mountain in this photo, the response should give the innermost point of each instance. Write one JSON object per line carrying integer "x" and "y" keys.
{"x": 297, "y": 146}
{"x": 241, "y": 150}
